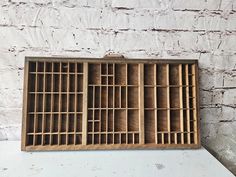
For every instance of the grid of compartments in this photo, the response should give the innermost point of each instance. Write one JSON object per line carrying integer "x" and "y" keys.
{"x": 170, "y": 104}
{"x": 55, "y": 102}
{"x": 113, "y": 104}
{"x": 107, "y": 104}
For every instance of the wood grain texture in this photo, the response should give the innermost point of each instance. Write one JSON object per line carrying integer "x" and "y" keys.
{"x": 79, "y": 103}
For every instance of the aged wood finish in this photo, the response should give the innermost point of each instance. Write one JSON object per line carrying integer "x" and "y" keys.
{"x": 109, "y": 103}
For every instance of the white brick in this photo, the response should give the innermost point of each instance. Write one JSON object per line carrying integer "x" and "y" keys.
{"x": 210, "y": 115}
{"x": 196, "y": 5}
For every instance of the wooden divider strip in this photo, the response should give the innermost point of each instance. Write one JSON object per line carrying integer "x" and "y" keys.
{"x": 85, "y": 103}
{"x": 35, "y": 103}
{"x": 43, "y": 112}
{"x": 59, "y": 105}
{"x": 52, "y": 104}
{"x": 155, "y": 102}
{"x": 141, "y": 104}
{"x": 187, "y": 103}
{"x": 181, "y": 103}
{"x": 194, "y": 103}
{"x": 168, "y": 102}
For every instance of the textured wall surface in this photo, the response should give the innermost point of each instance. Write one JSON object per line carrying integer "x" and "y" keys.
{"x": 202, "y": 29}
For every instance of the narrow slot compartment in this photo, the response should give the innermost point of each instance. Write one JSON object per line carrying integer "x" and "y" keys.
{"x": 96, "y": 126}
{"x": 123, "y": 97}
{"x": 110, "y": 69}
{"x": 31, "y": 98}
{"x": 175, "y": 120}
{"x": 97, "y": 97}
{"x": 104, "y": 69}
{"x": 174, "y": 97}
{"x": 64, "y": 78}
{"x": 96, "y": 115}
{"x": 90, "y": 114}
{"x": 130, "y": 138}
{"x": 103, "y": 121}
{"x": 117, "y": 97}
{"x": 79, "y": 83}
{"x": 161, "y": 97}
{"x": 63, "y": 103}
{"x": 48, "y": 67}
{"x": 104, "y": 97}
{"x": 56, "y": 67}
{"x": 39, "y": 123}
{"x": 136, "y": 138}
{"x": 29, "y": 140}
{"x": 172, "y": 137}
{"x": 79, "y": 102}
{"x": 120, "y": 120}
{"x": 40, "y": 83}
{"x": 38, "y": 139}
{"x": 120, "y": 74}
{"x": 54, "y": 139}
{"x": 162, "y": 121}
{"x": 79, "y": 123}
{"x": 104, "y": 80}
{"x": 133, "y": 97}
{"x": 90, "y": 126}
{"x": 39, "y": 103}
{"x": 148, "y": 74}
{"x": 70, "y": 139}
{"x": 64, "y": 67}
{"x": 192, "y": 140}
{"x": 173, "y": 74}
{"x": 117, "y": 138}
{"x": 133, "y": 120}
{"x": 110, "y": 80}
{"x": 30, "y": 124}
{"x": 110, "y": 138}
{"x": 90, "y": 97}
{"x": 71, "y": 123}
{"x": 149, "y": 123}
{"x": 32, "y": 66}
{"x": 40, "y": 66}
{"x": 72, "y": 83}
{"x": 110, "y": 121}
{"x": 56, "y": 103}
{"x": 96, "y": 138}
{"x": 133, "y": 73}
{"x": 80, "y": 67}
{"x": 110, "y": 97}
{"x": 31, "y": 82}
{"x": 63, "y": 123}
{"x": 89, "y": 139}
{"x": 94, "y": 74}
{"x": 123, "y": 138}
{"x": 48, "y": 85}
{"x": 72, "y": 67}
{"x": 71, "y": 102}
{"x": 46, "y": 140}
{"x": 55, "y": 123}
{"x": 47, "y": 103}
{"x": 103, "y": 138}
{"x": 78, "y": 139}
{"x": 166, "y": 138}
{"x": 47, "y": 123}
{"x": 56, "y": 83}
{"x": 62, "y": 139}
{"x": 149, "y": 97}
{"x": 161, "y": 74}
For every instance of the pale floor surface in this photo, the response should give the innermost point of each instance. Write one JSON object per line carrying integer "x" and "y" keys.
{"x": 130, "y": 163}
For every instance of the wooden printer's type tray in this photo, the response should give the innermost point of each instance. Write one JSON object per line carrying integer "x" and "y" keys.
{"x": 82, "y": 103}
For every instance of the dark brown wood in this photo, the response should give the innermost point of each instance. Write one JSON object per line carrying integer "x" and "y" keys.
{"x": 110, "y": 103}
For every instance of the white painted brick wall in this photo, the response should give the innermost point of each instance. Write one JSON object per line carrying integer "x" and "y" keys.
{"x": 203, "y": 29}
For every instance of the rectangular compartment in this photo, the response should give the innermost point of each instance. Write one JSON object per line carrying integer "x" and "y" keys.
{"x": 149, "y": 74}
{"x": 133, "y": 73}
{"x": 120, "y": 74}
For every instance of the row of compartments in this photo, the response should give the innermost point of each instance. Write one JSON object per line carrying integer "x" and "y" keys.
{"x": 113, "y": 138}
{"x": 175, "y": 138}
{"x": 159, "y": 120}
{"x": 55, "y": 83}
{"x": 54, "y": 139}
{"x": 117, "y": 74}
{"x": 159, "y": 75}
{"x": 113, "y": 120}
{"x": 156, "y": 97}
{"x": 113, "y": 97}
{"x": 55, "y": 67}
{"x": 54, "y": 123}
{"x": 50, "y": 102}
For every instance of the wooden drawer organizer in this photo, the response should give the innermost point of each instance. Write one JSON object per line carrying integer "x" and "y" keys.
{"x": 73, "y": 104}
